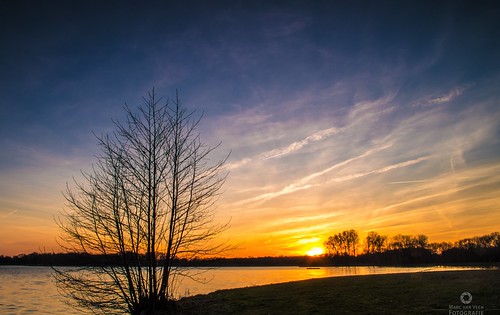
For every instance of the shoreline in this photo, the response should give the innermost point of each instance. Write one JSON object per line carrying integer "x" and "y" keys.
{"x": 401, "y": 293}
{"x": 471, "y": 265}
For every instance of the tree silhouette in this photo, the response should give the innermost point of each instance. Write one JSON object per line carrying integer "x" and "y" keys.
{"x": 147, "y": 201}
{"x": 401, "y": 241}
{"x": 375, "y": 243}
{"x": 439, "y": 248}
{"x": 344, "y": 243}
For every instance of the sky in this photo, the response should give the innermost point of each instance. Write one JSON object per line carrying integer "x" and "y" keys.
{"x": 369, "y": 115}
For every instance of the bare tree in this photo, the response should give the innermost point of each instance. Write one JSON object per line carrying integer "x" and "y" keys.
{"x": 400, "y": 241}
{"x": 344, "y": 243}
{"x": 333, "y": 245}
{"x": 147, "y": 201}
{"x": 375, "y": 243}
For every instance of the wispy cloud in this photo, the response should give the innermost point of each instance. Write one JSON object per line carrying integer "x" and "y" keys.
{"x": 9, "y": 214}
{"x": 346, "y": 162}
{"x": 410, "y": 181}
{"x": 363, "y": 113}
{"x": 446, "y": 98}
{"x": 237, "y": 164}
{"x": 317, "y": 136}
{"x": 379, "y": 171}
{"x": 446, "y": 207}
{"x": 371, "y": 108}
{"x": 442, "y": 98}
{"x": 295, "y": 146}
{"x": 306, "y": 182}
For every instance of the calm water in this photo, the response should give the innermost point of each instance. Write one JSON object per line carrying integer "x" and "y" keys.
{"x": 31, "y": 290}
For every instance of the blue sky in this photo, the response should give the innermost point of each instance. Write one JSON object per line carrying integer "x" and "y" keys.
{"x": 378, "y": 115}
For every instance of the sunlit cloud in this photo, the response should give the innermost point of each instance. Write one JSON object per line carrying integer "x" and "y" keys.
{"x": 275, "y": 153}
{"x": 298, "y": 220}
{"x": 304, "y": 183}
{"x": 378, "y": 171}
{"x": 317, "y": 136}
{"x": 237, "y": 164}
{"x": 9, "y": 214}
{"x": 409, "y": 182}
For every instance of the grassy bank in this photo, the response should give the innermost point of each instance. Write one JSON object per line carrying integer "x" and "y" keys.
{"x": 413, "y": 293}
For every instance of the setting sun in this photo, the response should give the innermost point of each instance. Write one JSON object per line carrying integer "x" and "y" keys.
{"x": 315, "y": 251}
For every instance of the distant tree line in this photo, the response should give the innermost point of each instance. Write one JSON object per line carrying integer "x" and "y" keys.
{"x": 81, "y": 259}
{"x": 62, "y": 259}
{"x": 344, "y": 248}
{"x": 410, "y": 249}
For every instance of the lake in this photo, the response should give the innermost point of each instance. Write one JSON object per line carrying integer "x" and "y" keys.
{"x": 31, "y": 290}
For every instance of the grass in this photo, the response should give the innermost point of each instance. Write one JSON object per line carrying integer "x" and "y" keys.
{"x": 411, "y": 293}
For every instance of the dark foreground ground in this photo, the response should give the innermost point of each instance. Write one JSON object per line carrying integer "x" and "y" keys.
{"x": 412, "y": 293}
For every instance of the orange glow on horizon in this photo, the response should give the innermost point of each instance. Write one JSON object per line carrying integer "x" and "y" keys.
{"x": 315, "y": 251}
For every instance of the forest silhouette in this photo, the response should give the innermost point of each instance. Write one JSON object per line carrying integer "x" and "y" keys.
{"x": 343, "y": 249}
